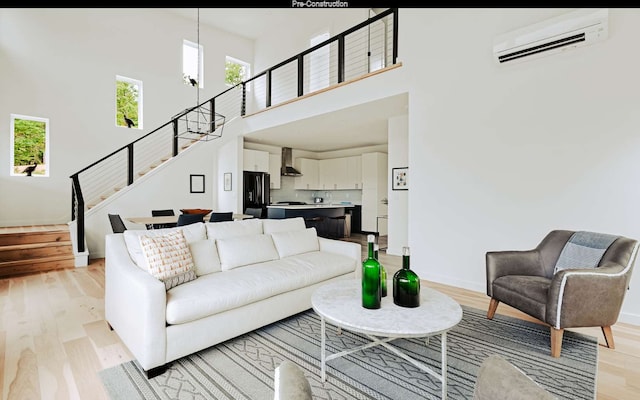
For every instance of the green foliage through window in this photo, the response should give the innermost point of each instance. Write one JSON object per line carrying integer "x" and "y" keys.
{"x": 235, "y": 72}
{"x": 29, "y": 145}
{"x": 126, "y": 103}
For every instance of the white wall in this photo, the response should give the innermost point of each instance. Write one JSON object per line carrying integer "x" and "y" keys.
{"x": 501, "y": 154}
{"x": 398, "y": 208}
{"x": 61, "y": 64}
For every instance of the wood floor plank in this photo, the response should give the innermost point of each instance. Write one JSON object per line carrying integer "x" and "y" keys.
{"x": 85, "y": 364}
{"x": 26, "y": 384}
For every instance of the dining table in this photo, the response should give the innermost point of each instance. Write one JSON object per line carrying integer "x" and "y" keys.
{"x": 149, "y": 221}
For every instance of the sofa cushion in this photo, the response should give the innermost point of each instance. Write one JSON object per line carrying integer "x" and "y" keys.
{"x": 191, "y": 233}
{"x": 169, "y": 258}
{"x": 289, "y": 243}
{"x": 228, "y": 229}
{"x": 251, "y": 283}
{"x": 282, "y": 225}
{"x": 205, "y": 256}
{"x": 244, "y": 250}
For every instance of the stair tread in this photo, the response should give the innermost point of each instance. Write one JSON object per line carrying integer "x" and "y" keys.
{"x": 37, "y": 260}
{"x": 26, "y": 246}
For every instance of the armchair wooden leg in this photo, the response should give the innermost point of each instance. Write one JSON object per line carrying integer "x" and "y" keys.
{"x": 608, "y": 337}
{"x": 556, "y": 341}
{"x": 493, "y": 305}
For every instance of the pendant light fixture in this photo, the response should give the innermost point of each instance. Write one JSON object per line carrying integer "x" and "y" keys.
{"x": 200, "y": 122}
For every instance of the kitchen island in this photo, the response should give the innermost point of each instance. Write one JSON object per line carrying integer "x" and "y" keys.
{"x": 328, "y": 219}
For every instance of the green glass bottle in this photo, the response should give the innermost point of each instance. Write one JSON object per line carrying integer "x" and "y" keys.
{"x": 406, "y": 284}
{"x": 383, "y": 272}
{"x": 370, "y": 278}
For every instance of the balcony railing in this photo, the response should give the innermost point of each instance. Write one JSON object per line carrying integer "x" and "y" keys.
{"x": 365, "y": 48}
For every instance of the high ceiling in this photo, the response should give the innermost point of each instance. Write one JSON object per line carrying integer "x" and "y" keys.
{"x": 360, "y": 126}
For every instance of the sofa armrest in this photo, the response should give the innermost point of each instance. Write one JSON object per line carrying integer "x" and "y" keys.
{"x": 135, "y": 304}
{"x": 586, "y": 296}
{"x": 511, "y": 262}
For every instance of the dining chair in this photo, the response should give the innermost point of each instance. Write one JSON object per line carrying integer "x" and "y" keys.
{"x": 221, "y": 216}
{"x": 188, "y": 219}
{"x": 117, "y": 224}
{"x": 255, "y": 212}
{"x": 162, "y": 213}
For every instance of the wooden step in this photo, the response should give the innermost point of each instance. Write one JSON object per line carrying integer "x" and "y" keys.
{"x": 21, "y": 252}
{"x": 33, "y": 249}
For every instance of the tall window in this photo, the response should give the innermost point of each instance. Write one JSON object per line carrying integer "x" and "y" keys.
{"x": 128, "y": 102}
{"x": 319, "y": 64}
{"x": 192, "y": 63}
{"x": 29, "y": 146}
{"x": 236, "y": 71}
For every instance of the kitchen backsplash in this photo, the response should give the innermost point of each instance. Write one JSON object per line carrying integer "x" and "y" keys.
{"x": 287, "y": 192}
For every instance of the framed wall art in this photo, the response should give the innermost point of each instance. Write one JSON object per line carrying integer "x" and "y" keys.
{"x": 399, "y": 178}
{"x": 227, "y": 181}
{"x": 196, "y": 184}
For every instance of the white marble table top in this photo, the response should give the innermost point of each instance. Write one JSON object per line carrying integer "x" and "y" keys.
{"x": 340, "y": 303}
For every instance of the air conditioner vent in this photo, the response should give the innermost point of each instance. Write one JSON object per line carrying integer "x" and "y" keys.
{"x": 575, "y": 29}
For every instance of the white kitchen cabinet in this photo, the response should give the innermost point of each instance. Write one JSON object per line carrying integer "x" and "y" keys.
{"x": 275, "y": 161}
{"x": 310, "y": 170}
{"x": 333, "y": 173}
{"x": 374, "y": 191}
{"x": 255, "y": 160}
{"x": 354, "y": 172}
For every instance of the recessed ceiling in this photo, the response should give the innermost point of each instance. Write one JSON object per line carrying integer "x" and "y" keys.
{"x": 358, "y": 126}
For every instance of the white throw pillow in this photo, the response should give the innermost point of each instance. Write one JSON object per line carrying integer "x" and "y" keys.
{"x": 244, "y": 250}
{"x": 290, "y": 243}
{"x": 169, "y": 258}
{"x": 285, "y": 224}
{"x": 228, "y": 229}
{"x": 205, "y": 256}
{"x": 191, "y": 233}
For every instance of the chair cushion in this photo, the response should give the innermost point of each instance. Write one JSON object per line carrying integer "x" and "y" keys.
{"x": 228, "y": 229}
{"x": 289, "y": 243}
{"x": 205, "y": 256}
{"x": 244, "y": 250}
{"x": 583, "y": 250}
{"x": 191, "y": 233}
{"x": 498, "y": 379}
{"x": 169, "y": 258}
{"x": 290, "y": 383}
{"x": 284, "y": 224}
{"x": 524, "y": 292}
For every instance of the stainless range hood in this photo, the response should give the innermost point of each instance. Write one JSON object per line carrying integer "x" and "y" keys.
{"x": 287, "y": 163}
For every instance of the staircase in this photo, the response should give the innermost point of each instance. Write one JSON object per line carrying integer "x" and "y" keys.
{"x": 33, "y": 249}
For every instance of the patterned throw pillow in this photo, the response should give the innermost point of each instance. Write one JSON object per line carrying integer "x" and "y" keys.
{"x": 169, "y": 258}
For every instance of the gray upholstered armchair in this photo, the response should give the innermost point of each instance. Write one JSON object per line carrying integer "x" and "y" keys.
{"x": 570, "y": 280}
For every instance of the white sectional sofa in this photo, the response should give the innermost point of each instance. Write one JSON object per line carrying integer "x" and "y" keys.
{"x": 247, "y": 274}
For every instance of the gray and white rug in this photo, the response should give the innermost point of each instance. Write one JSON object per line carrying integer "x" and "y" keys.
{"x": 243, "y": 368}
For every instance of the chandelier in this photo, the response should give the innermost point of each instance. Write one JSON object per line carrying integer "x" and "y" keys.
{"x": 200, "y": 122}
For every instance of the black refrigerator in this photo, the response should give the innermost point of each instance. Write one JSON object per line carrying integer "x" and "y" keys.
{"x": 256, "y": 191}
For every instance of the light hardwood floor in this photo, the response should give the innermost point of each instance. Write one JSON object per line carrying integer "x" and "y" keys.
{"x": 54, "y": 340}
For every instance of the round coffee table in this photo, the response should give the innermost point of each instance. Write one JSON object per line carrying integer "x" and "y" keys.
{"x": 340, "y": 303}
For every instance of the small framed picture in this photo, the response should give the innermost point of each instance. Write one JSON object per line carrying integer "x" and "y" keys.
{"x": 196, "y": 183}
{"x": 399, "y": 178}
{"x": 227, "y": 181}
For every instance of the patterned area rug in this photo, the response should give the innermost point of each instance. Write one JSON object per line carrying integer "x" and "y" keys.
{"x": 243, "y": 368}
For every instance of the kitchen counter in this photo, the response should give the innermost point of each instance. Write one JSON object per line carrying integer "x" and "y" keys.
{"x": 308, "y": 206}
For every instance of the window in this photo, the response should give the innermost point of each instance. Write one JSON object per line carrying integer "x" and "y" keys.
{"x": 319, "y": 64}
{"x": 29, "y": 146}
{"x": 236, "y": 71}
{"x": 128, "y": 102}
{"x": 192, "y": 63}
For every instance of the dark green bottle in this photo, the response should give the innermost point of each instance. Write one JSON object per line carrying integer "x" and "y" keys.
{"x": 371, "y": 290}
{"x": 406, "y": 284}
{"x": 383, "y": 272}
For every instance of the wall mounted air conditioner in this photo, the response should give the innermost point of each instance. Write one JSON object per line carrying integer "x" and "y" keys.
{"x": 567, "y": 31}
